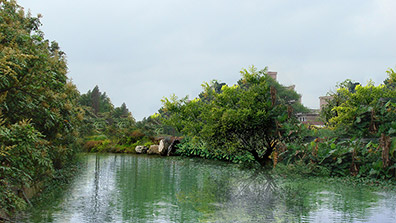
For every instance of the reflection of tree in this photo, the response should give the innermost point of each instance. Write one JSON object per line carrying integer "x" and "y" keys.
{"x": 259, "y": 184}
{"x": 233, "y": 196}
{"x": 124, "y": 188}
{"x": 305, "y": 198}
{"x": 206, "y": 195}
{"x": 96, "y": 185}
{"x": 256, "y": 196}
{"x": 94, "y": 202}
{"x": 253, "y": 198}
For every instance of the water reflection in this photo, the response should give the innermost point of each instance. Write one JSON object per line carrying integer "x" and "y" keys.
{"x": 129, "y": 188}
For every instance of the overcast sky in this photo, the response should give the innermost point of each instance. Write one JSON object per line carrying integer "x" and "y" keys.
{"x": 140, "y": 51}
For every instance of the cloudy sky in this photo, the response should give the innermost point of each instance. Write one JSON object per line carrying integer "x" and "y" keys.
{"x": 140, "y": 51}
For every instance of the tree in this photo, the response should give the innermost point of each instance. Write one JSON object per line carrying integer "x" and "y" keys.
{"x": 327, "y": 112}
{"x": 95, "y": 100}
{"x": 363, "y": 111}
{"x": 98, "y": 101}
{"x": 34, "y": 85}
{"x": 390, "y": 82}
{"x": 122, "y": 112}
{"x": 247, "y": 118}
{"x": 39, "y": 114}
{"x": 102, "y": 117}
{"x": 214, "y": 86}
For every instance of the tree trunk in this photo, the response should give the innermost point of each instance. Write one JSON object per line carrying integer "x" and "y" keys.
{"x": 385, "y": 143}
{"x": 264, "y": 161}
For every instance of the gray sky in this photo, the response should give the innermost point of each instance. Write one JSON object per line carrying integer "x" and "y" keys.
{"x": 140, "y": 51}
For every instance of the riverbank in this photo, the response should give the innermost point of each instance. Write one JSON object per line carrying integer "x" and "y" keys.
{"x": 327, "y": 156}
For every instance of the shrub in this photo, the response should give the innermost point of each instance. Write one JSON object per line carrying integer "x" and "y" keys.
{"x": 91, "y": 145}
{"x": 191, "y": 147}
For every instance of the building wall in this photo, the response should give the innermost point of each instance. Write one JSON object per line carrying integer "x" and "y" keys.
{"x": 324, "y": 100}
{"x": 273, "y": 74}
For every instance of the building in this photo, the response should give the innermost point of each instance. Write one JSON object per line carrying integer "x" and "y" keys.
{"x": 324, "y": 100}
{"x": 310, "y": 118}
{"x": 272, "y": 74}
{"x": 313, "y": 116}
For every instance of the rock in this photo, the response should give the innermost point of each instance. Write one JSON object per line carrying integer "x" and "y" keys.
{"x": 141, "y": 149}
{"x": 153, "y": 150}
{"x": 172, "y": 147}
{"x": 163, "y": 146}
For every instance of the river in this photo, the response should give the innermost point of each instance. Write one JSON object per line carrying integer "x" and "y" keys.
{"x": 141, "y": 188}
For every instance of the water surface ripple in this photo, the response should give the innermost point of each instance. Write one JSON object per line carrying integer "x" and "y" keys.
{"x": 140, "y": 188}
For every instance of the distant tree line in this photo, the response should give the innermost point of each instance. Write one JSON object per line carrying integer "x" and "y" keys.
{"x": 102, "y": 116}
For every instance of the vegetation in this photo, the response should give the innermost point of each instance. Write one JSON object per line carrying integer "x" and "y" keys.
{"x": 363, "y": 111}
{"x": 39, "y": 112}
{"x": 44, "y": 121}
{"x": 107, "y": 128}
{"x": 101, "y": 117}
{"x": 243, "y": 122}
{"x": 254, "y": 122}
{"x": 367, "y": 116}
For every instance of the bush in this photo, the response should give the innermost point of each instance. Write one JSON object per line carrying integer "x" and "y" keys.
{"x": 196, "y": 148}
{"x": 91, "y": 145}
{"x": 340, "y": 158}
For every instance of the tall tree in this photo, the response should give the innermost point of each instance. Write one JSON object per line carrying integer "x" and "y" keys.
{"x": 95, "y": 99}
{"x": 98, "y": 101}
{"x": 39, "y": 115}
{"x": 122, "y": 112}
{"x": 250, "y": 117}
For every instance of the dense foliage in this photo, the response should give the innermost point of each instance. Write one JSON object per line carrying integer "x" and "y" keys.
{"x": 254, "y": 120}
{"x": 101, "y": 117}
{"x": 107, "y": 128}
{"x": 246, "y": 121}
{"x": 363, "y": 111}
{"x": 39, "y": 114}
{"x": 365, "y": 116}
{"x": 340, "y": 157}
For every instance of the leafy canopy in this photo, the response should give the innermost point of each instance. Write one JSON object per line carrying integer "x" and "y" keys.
{"x": 363, "y": 110}
{"x": 249, "y": 118}
{"x": 39, "y": 114}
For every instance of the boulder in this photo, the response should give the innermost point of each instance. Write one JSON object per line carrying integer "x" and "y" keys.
{"x": 141, "y": 149}
{"x": 172, "y": 147}
{"x": 163, "y": 146}
{"x": 153, "y": 150}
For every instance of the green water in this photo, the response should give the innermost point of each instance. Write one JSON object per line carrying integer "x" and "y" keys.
{"x": 140, "y": 188}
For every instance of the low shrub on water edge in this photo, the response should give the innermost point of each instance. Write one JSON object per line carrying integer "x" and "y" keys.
{"x": 190, "y": 147}
{"x": 352, "y": 157}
